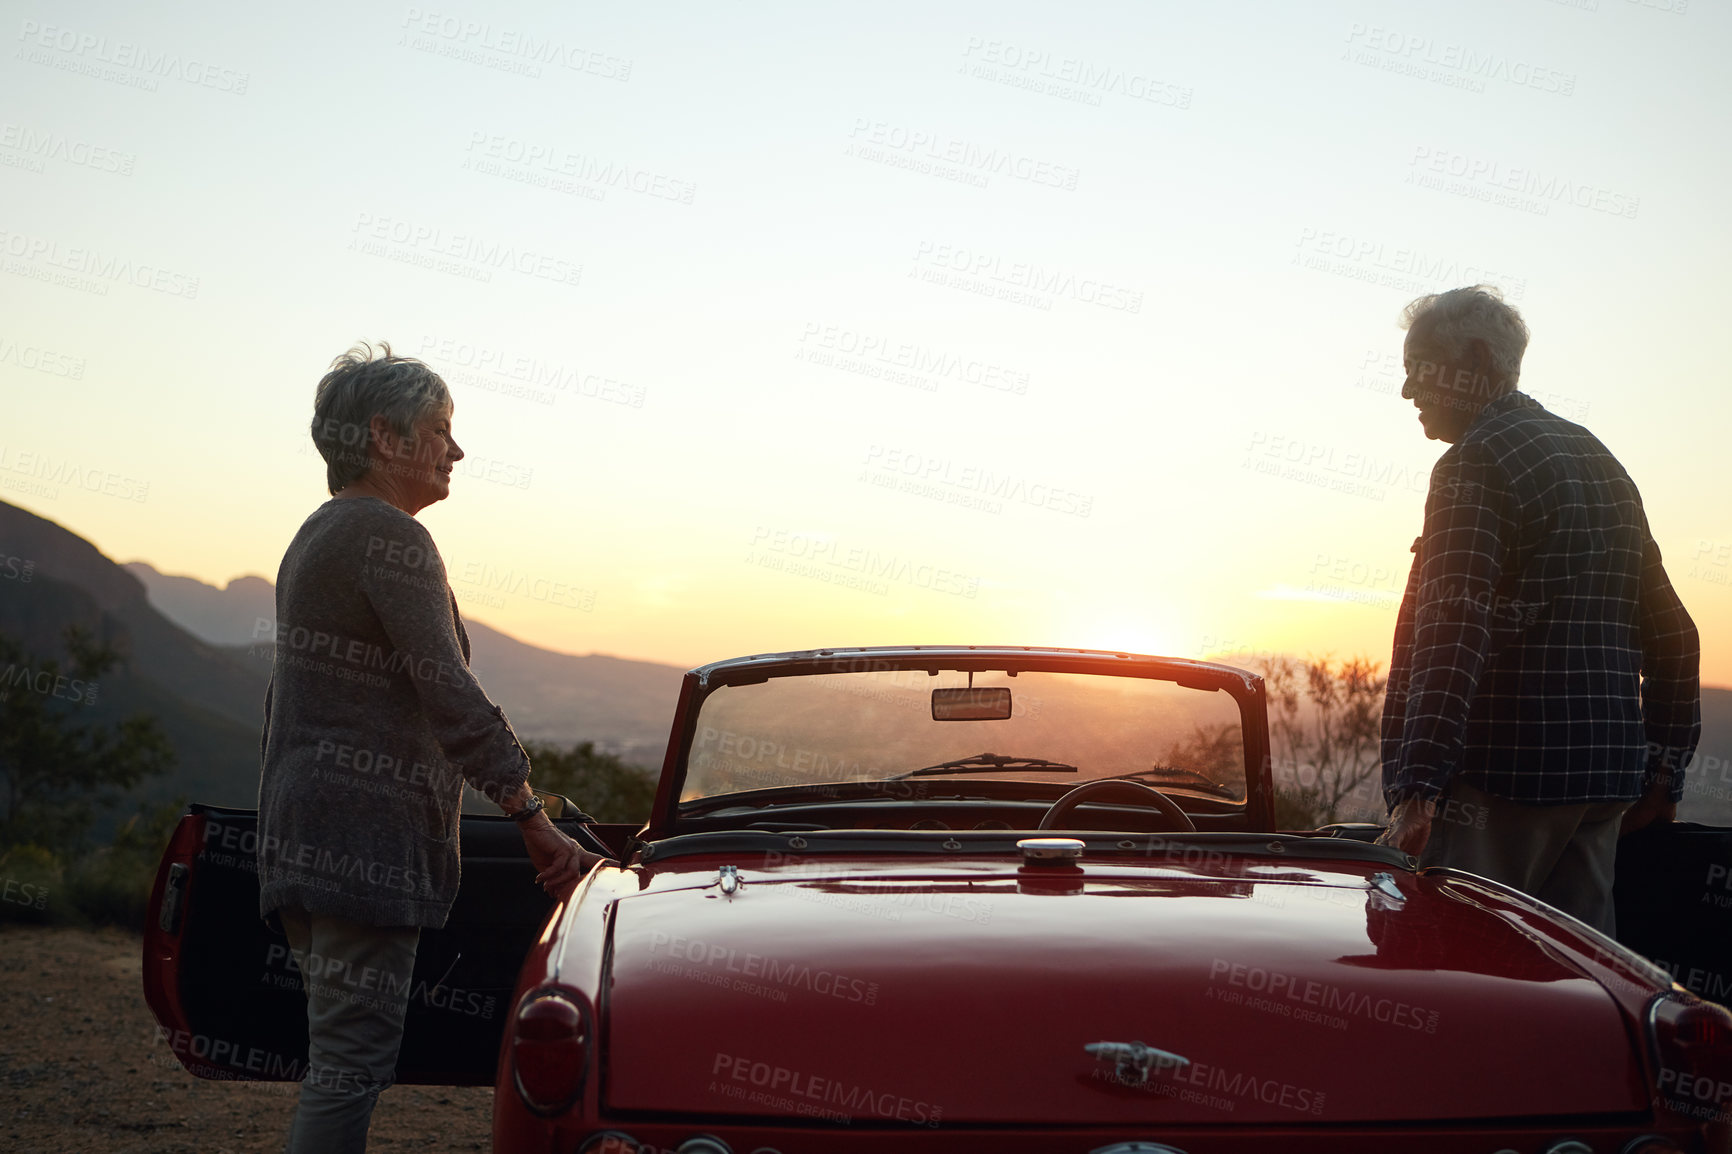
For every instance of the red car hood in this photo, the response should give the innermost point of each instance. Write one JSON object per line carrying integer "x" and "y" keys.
{"x": 921, "y": 991}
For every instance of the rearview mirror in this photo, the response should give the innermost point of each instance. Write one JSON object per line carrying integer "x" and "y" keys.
{"x": 971, "y": 704}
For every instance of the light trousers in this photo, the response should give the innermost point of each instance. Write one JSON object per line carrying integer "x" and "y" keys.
{"x": 1560, "y": 854}
{"x": 357, "y": 978}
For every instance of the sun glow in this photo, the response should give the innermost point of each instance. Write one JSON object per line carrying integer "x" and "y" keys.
{"x": 1127, "y": 633}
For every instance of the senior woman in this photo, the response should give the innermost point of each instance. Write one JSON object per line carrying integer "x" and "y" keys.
{"x": 372, "y": 723}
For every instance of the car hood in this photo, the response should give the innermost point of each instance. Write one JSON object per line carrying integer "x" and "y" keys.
{"x": 926, "y": 991}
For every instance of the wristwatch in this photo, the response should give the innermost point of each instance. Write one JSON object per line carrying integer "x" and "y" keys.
{"x": 530, "y": 808}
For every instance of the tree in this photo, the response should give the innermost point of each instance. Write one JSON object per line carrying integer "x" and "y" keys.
{"x": 1215, "y": 751}
{"x": 600, "y": 784}
{"x": 57, "y": 769}
{"x": 1330, "y": 750}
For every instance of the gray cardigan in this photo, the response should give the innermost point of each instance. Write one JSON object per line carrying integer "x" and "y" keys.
{"x": 372, "y": 723}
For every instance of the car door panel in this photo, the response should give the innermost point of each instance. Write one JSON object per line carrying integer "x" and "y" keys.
{"x": 230, "y": 1001}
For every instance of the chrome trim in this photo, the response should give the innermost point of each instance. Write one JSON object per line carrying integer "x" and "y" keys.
{"x": 1384, "y": 883}
{"x": 1137, "y": 1148}
{"x": 1132, "y": 1060}
{"x": 609, "y": 1142}
{"x": 729, "y": 881}
{"x": 1634, "y": 1145}
{"x": 703, "y": 1144}
{"x": 1051, "y": 850}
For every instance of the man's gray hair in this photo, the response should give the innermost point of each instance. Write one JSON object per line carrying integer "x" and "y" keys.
{"x": 361, "y": 385}
{"x": 1451, "y": 320}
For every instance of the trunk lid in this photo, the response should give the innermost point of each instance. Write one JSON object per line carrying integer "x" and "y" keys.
{"x": 924, "y": 990}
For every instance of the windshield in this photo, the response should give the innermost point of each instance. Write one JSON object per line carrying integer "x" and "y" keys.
{"x": 825, "y": 729}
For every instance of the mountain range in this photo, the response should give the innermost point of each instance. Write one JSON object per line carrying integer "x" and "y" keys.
{"x": 192, "y": 660}
{"x": 623, "y": 706}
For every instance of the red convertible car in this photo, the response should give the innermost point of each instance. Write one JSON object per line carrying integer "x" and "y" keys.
{"x": 958, "y": 898}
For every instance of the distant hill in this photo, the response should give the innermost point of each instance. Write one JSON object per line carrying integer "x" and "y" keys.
{"x": 623, "y": 706}
{"x": 217, "y": 616}
{"x": 208, "y": 702}
{"x": 190, "y": 662}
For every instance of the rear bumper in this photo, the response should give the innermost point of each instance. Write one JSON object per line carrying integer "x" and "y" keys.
{"x": 523, "y": 1135}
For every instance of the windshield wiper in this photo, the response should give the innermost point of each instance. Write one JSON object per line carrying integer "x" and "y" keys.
{"x": 988, "y": 763}
{"x": 1172, "y": 773}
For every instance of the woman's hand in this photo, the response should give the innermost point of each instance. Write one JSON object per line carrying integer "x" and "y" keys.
{"x": 559, "y": 861}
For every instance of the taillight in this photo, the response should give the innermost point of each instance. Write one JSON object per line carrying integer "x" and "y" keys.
{"x": 1693, "y": 1050}
{"x": 550, "y": 1049}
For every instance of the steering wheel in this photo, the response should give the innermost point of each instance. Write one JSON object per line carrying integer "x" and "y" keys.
{"x": 1089, "y": 790}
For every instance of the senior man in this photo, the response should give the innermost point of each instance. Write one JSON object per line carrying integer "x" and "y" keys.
{"x": 1543, "y": 689}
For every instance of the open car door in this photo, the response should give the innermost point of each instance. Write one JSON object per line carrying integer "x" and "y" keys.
{"x": 228, "y": 996}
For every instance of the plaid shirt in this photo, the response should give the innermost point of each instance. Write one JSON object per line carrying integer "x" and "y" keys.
{"x": 1540, "y": 650}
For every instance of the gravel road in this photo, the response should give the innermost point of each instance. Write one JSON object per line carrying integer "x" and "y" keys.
{"x": 83, "y": 1070}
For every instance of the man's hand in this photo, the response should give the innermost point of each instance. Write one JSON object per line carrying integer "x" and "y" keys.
{"x": 1410, "y": 826}
{"x": 559, "y": 861}
{"x": 1653, "y": 808}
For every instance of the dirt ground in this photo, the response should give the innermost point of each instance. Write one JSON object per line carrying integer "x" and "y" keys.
{"x": 83, "y": 1070}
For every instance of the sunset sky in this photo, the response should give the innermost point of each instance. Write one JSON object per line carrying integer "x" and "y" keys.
{"x": 779, "y": 325}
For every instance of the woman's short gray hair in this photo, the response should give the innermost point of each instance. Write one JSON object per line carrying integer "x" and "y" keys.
{"x": 1455, "y": 318}
{"x": 361, "y": 385}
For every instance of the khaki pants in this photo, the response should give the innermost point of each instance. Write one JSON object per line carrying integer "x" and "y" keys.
{"x": 1560, "y": 854}
{"x": 357, "y": 978}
